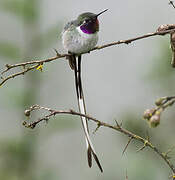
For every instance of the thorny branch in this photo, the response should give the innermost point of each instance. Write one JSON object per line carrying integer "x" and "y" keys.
{"x": 30, "y": 65}
{"x": 117, "y": 127}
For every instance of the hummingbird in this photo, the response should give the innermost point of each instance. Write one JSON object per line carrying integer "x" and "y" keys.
{"x": 78, "y": 37}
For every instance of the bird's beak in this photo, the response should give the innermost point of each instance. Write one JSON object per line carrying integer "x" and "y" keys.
{"x": 101, "y": 12}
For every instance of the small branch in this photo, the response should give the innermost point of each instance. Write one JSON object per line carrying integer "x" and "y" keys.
{"x": 160, "y": 31}
{"x": 128, "y": 41}
{"x": 17, "y": 74}
{"x": 153, "y": 115}
{"x": 34, "y": 63}
{"x": 10, "y": 66}
{"x": 52, "y": 113}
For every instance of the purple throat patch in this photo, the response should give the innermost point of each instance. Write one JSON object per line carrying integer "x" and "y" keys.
{"x": 89, "y": 28}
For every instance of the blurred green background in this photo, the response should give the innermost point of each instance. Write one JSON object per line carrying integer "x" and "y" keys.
{"x": 120, "y": 83}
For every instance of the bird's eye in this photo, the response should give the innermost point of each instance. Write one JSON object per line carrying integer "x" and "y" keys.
{"x": 86, "y": 21}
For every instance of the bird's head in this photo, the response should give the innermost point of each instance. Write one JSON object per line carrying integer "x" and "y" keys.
{"x": 88, "y": 22}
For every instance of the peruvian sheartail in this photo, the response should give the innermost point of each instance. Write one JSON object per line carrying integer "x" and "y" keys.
{"x": 80, "y": 36}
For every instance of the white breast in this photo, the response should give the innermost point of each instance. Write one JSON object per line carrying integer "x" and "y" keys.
{"x": 79, "y": 42}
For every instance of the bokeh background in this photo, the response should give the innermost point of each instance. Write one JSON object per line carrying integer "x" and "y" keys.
{"x": 119, "y": 83}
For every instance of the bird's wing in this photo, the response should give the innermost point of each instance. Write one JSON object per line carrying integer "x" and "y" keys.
{"x": 70, "y": 25}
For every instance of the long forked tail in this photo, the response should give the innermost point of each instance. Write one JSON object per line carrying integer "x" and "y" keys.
{"x": 82, "y": 109}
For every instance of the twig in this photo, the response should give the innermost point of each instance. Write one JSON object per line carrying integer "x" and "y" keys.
{"x": 100, "y": 123}
{"x": 17, "y": 74}
{"x": 10, "y": 66}
{"x": 167, "y": 30}
{"x": 153, "y": 115}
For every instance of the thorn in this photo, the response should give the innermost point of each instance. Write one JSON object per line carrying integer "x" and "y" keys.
{"x": 148, "y": 137}
{"x": 71, "y": 111}
{"x": 8, "y": 66}
{"x": 24, "y": 67}
{"x": 98, "y": 126}
{"x": 118, "y": 125}
{"x": 144, "y": 145}
{"x": 170, "y": 150}
{"x": 140, "y": 149}
{"x": 127, "y": 145}
{"x": 57, "y": 53}
{"x": 47, "y": 120}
